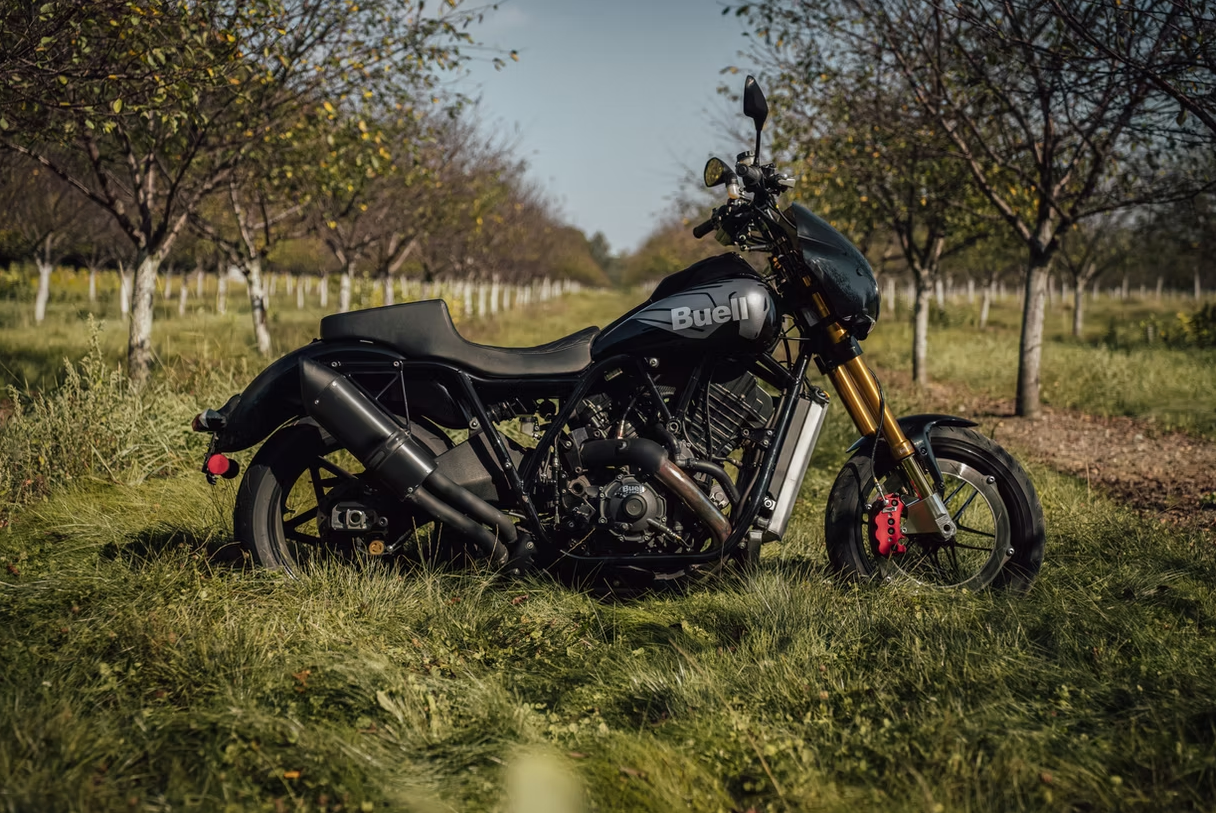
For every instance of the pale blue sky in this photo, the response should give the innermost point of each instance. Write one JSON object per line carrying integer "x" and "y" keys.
{"x": 612, "y": 102}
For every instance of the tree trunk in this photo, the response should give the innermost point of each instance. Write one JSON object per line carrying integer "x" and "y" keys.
{"x": 198, "y": 283}
{"x": 1030, "y": 349}
{"x": 257, "y": 304}
{"x": 139, "y": 339}
{"x": 986, "y": 304}
{"x": 344, "y": 290}
{"x": 168, "y": 284}
{"x": 92, "y": 285}
{"x": 300, "y": 290}
{"x": 325, "y": 290}
{"x": 920, "y": 332}
{"x": 182, "y": 294}
{"x": 124, "y": 292}
{"x": 1078, "y": 309}
{"x": 44, "y": 290}
{"x": 1198, "y": 287}
{"x": 388, "y": 289}
{"x": 221, "y": 291}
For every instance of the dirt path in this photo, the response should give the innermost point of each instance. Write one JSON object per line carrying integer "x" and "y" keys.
{"x": 1167, "y": 474}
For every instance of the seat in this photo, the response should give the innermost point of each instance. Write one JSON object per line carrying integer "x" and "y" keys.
{"x": 424, "y": 331}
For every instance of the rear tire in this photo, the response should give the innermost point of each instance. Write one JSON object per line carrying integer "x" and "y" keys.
{"x": 277, "y": 516}
{"x": 1001, "y": 532}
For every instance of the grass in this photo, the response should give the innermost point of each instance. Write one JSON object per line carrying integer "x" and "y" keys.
{"x": 145, "y": 667}
{"x": 1111, "y": 370}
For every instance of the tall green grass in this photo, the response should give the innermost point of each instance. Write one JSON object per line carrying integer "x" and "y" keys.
{"x": 146, "y": 666}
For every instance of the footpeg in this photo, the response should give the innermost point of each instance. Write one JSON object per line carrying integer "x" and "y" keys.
{"x": 886, "y": 521}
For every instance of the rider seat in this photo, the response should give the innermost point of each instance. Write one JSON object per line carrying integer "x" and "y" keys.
{"x": 424, "y": 331}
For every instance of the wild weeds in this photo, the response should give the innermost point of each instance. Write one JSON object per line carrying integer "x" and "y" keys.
{"x": 95, "y": 424}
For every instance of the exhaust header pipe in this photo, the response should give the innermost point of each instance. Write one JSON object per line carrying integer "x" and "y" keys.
{"x": 648, "y": 456}
{"x": 389, "y": 452}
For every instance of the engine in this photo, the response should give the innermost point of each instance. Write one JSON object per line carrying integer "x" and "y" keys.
{"x": 617, "y": 507}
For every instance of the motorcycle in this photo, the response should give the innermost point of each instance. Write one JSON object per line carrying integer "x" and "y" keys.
{"x": 667, "y": 445}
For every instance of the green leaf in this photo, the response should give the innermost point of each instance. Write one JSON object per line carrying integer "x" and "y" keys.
{"x": 116, "y": 105}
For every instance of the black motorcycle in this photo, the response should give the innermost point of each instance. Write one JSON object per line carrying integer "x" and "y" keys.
{"x": 666, "y": 445}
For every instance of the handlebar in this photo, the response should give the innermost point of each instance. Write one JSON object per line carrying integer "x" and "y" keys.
{"x": 703, "y": 229}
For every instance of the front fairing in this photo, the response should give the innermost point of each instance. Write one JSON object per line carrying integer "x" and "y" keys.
{"x": 843, "y": 273}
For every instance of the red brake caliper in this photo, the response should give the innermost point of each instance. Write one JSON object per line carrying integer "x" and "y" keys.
{"x": 884, "y": 524}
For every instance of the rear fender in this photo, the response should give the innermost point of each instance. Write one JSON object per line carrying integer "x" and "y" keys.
{"x": 917, "y": 429}
{"x": 273, "y": 397}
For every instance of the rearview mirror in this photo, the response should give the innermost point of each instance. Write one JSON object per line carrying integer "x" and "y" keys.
{"x": 717, "y": 172}
{"x": 755, "y": 107}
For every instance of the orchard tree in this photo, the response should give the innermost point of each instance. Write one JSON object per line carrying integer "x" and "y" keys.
{"x": 246, "y": 228}
{"x": 873, "y": 163}
{"x": 149, "y": 106}
{"x": 46, "y": 214}
{"x": 1168, "y": 43}
{"x": 1049, "y": 135}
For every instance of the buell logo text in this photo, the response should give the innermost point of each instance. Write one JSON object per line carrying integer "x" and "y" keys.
{"x": 736, "y": 311}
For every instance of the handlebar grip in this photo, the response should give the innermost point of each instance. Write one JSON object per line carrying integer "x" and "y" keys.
{"x": 703, "y": 229}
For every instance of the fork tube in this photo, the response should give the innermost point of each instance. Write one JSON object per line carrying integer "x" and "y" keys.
{"x": 862, "y": 398}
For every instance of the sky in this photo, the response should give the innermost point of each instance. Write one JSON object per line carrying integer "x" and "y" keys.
{"x": 612, "y": 102}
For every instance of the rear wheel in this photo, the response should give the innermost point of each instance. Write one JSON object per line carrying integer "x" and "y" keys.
{"x": 304, "y": 498}
{"x": 1001, "y": 532}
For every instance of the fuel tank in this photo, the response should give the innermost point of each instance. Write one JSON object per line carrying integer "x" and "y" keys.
{"x": 719, "y": 305}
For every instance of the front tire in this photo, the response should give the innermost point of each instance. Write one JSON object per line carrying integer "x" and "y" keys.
{"x": 1001, "y": 531}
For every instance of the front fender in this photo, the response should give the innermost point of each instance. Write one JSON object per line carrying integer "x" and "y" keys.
{"x": 273, "y": 397}
{"x": 917, "y": 428}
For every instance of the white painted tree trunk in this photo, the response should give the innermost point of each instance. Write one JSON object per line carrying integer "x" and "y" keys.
{"x": 1078, "y": 311}
{"x": 300, "y": 291}
{"x": 139, "y": 340}
{"x": 920, "y": 331}
{"x": 199, "y": 278}
{"x": 939, "y": 288}
{"x": 481, "y": 300}
{"x": 970, "y": 292}
{"x": 168, "y": 284}
{"x": 388, "y": 289}
{"x": 468, "y": 299}
{"x": 182, "y": 294}
{"x": 257, "y": 304}
{"x": 1160, "y": 285}
{"x": 494, "y": 296}
{"x": 344, "y": 291}
{"x": 44, "y": 290}
{"x": 324, "y": 290}
{"x": 1198, "y": 287}
{"x": 124, "y": 292}
{"x": 92, "y": 285}
{"x": 986, "y": 304}
{"x": 221, "y": 292}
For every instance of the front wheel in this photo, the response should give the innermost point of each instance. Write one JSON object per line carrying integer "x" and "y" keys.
{"x": 1001, "y": 532}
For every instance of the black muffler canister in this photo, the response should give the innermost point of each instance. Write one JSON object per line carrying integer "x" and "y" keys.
{"x": 379, "y": 442}
{"x": 389, "y": 452}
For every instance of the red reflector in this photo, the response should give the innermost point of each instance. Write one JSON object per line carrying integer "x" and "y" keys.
{"x": 218, "y": 465}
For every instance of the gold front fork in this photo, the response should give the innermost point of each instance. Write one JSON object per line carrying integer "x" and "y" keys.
{"x": 858, "y": 389}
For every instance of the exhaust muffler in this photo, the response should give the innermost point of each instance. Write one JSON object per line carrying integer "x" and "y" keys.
{"x": 390, "y": 454}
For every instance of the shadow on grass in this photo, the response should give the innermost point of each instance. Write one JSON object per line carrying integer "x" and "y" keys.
{"x": 156, "y": 540}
